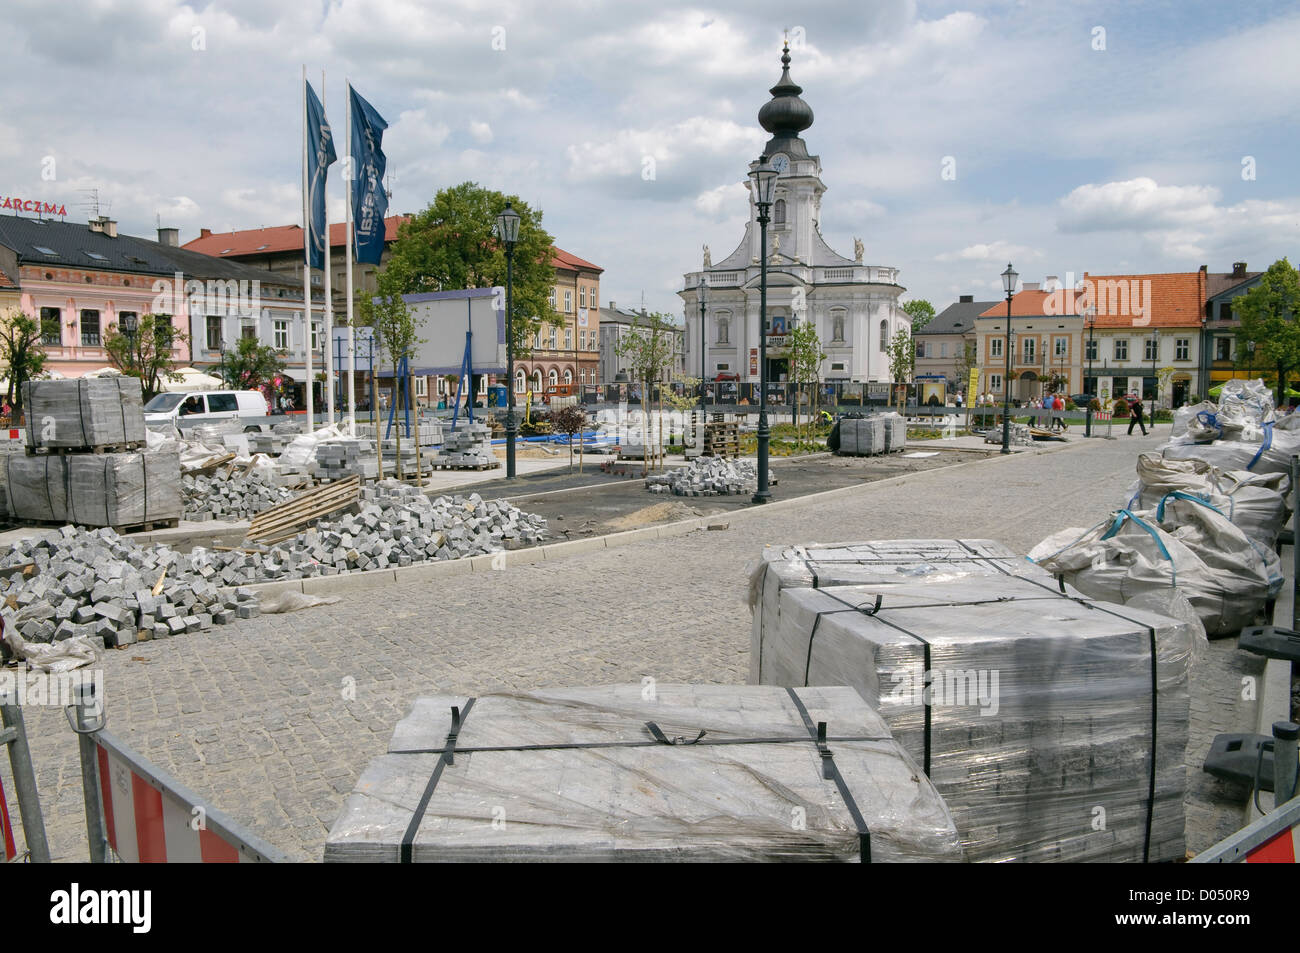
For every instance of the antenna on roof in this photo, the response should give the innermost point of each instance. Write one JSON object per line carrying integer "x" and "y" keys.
{"x": 91, "y": 202}
{"x": 388, "y": 185}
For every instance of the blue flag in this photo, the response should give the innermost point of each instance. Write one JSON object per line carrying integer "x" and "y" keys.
{"x": 369, "y": 201}
{"x": 320, "y": 155}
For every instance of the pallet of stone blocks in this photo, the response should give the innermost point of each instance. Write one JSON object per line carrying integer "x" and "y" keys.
{"x": 895, "y": 428}
{"x": 861, "y": 436}
{"x": 340, "y": 459}
{"x": 121, "y": 490}
{"x": 90, "y": 413}
{"x": 1027, "y": 707}
{"x": 685, "y": 773}
{"x": 269, "y": 443}
{"x": 469, "y": 446}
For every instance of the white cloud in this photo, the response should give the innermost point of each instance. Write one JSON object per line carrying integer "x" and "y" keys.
{"x": 1138, "y": 204}
{"x": 725, "y": 201}
{"x": 481, "y": 131}
{"x": 990, "y": 251}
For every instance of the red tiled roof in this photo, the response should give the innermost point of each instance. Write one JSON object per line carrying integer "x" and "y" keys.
{"x": 280, "y": 238}
{"x": 1173, "y": 300}
{"x": 1035, "y": 304}
{"x": 1169, "y": 300}
{"x": 563, "y": 259}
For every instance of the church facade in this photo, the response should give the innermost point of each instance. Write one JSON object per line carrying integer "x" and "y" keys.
{"x": 853, "y": 305}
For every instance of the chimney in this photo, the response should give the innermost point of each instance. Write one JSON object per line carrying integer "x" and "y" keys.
{"x": 1239, "y": 269}
{"x": 169, "y": 236}
{"x": 104, "y": 225}
{"x": 204, "y": 232}
{"x": 612, "y": 305}
{"x": 966, "y": 299}
{"x": 1029, "y": 286}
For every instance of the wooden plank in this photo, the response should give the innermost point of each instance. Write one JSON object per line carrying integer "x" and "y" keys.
{"x": 287, "y": 519}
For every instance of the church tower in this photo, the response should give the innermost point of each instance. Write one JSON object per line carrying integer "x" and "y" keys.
{"x": 853, "y": 306}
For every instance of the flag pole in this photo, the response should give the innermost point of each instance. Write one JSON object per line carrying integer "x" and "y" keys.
{"x": 327, "y": 348}
{"x": 306, "y": 252}
{"x": 352, "y": 334}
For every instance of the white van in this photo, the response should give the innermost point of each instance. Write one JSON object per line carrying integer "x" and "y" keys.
{"x": 187, "y": 408}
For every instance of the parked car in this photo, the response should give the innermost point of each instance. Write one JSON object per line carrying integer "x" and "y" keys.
{"x": 1081, "y": 400}
{"x": 187, "y": 408}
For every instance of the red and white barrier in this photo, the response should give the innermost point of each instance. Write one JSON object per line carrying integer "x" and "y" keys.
{"x": 1282, "y": 848}
{"x": 146, "y": 824}
{"x": 6, "y": 828}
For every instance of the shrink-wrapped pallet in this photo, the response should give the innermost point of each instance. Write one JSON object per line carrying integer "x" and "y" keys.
{"x": 895, "y": 426}
{"x": 95, "y": 489}
{"x": 84, "y": 413}
{"x": 665, "y": 773}
{"x": 1028, "y": 708}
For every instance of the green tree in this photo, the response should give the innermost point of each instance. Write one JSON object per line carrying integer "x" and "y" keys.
{"x": 1268, "y": 314}
{"x": 965, "y": 361}
{"x": 569, "y": 421}
{"x": 252, "y": 366}
{"x": 902, "y": 356}
{"x": 806, "y": 357}
{"x": 396, "y": 333}
{"x": 146, "y": 354}
{"x": 22, "y": 355}
{"x": 649, "y": 348}
{"x": 452, "y": 245}
{"x": 920, "y": 311}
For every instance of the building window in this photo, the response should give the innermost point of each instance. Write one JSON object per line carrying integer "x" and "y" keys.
{"x": 920, "y": 349}
{"x": 1029, "y": 348}
{"x": 1060, "y": 346}
{"x": 51, "y": 327}
{"x": 1225, "y": 311}
{"x": 995, "y": 347}
{"x": 837, "y": 327}
{"x": 1182, "y": 349}
{"x": 555, "y": 337}
{"x": 778, "y": 212}
{"x": 282, "y": 336}
{"x": 568, "y": 301}
{"x": 422, "y": 386}
{"x": 248, "y": 332}
{"x": 884, "y": 335}
{"x": 943, "y": 348}
{"x": 995, "y": 382}
{"x": 550, "y": 299}
{"x": 537, "y": 381}
{"x": 1151, "y": 350}
{"x": 568, "y": 376}
{"x": 1091, "y": 350}
{"x": 214, "y": 332}
{"x": 1223, "y": 349}
{"x": 568, "y": 339}
{"x": 582, "y": 297}
{"x": 521, "y": 382}
{"x": 1121, "y": 350}
{"x": 316, "y": 331}
{"x": 90, "y": 328}
{"x": 163, "y": 332}
{"x": 553, "y": 378}
{"x": 537, "y": 340}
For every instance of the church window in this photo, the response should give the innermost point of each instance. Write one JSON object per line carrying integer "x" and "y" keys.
{"x": 884, "y": 335}
{"x": 778, "y": 212}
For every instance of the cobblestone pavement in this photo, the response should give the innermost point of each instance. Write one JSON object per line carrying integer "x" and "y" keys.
{"x": 273, "y": 719}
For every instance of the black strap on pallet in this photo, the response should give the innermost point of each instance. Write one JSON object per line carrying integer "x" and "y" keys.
{"x": 448, "y": 757}
{"x": 1155, "y": 702}
{"x": 657, "y": 733}
{"x": 831, "y": 772}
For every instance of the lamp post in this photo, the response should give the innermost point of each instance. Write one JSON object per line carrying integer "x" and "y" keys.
{"x": 128, "y": 331}
{"x": 508, "y": 233}
{"x": 704, "y": 283}
{"x": 1155, "y": 378}
{"x": 1009, "y": 286}
{"x": 764, "y": 176}
{"x": 1090, "y": 315}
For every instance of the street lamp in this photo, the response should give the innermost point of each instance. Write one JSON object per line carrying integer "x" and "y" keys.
{"x": 508, "y": 233}
{"x": 704, "y": 283}
{"x": 1009, "y": 286}
{"x": 764, "y": 176}
{"x": 128, "y": 331}
{"x": 1155, "y": 379}
{"x": 1090, "y": 316}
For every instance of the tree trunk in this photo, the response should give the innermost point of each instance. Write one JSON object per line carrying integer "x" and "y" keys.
{"x": 419, "y": 462}
{"x": 374, "y": 416}
{"x": 397, "y": 420}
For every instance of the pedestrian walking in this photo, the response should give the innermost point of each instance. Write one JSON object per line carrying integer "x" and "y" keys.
{"x": 1135, "y": 417}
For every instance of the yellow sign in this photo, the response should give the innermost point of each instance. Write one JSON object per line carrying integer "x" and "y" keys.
{"x": 973, "y": 385}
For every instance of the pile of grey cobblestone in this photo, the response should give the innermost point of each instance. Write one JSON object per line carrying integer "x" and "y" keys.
{"x": 1019, "y": 435}
{"x": 238, "y": 496}
{"x": 95, "y": 583}
{"x": 707, "y": 476}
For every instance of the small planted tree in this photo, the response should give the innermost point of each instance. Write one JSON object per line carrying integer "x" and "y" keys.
{"x": 806, "y": 358}
{"x": 146, "y": 353}
{"x": 395, "y": 330}
{"x": 902, "y": 357}
{"x": 569, "y": 421}
{"x": 649, "y": 349}
{"x": 22, "y": 354}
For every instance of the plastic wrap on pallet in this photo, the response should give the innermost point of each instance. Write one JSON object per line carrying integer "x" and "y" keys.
{"x": 95, "y": 489}
{"x": 733, "y": 774}
{"x": 895, "y": 428}
{"x": 36, "y": 487}
{"x": 1256, "y": 502}
{"x": 1026, "y": 707}
{"x": 84, "y": 413}
{"x": 1187, "y": 546}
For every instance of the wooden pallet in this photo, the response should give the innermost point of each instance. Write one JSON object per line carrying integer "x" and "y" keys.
{"x": 132, "y": 447}
{"x": 286, "y": 520}
{"x": 721, "y": 439}
{"x": 147, "y": 526}
{"x": 465, "y": 466}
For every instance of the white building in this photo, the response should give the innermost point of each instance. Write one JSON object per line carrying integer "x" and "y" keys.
{"x": 854, "y": 305}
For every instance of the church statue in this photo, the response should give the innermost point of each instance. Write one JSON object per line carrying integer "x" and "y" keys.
{"x": 708, "y": 257}
{"x": 858, "y": 249}
{"x": 776, "y": 246}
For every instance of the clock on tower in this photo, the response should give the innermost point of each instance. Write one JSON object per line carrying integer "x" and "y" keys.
{"x": 781, "y": 162}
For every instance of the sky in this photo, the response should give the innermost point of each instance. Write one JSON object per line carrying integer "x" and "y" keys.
{"x": 1124, "y": 137}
